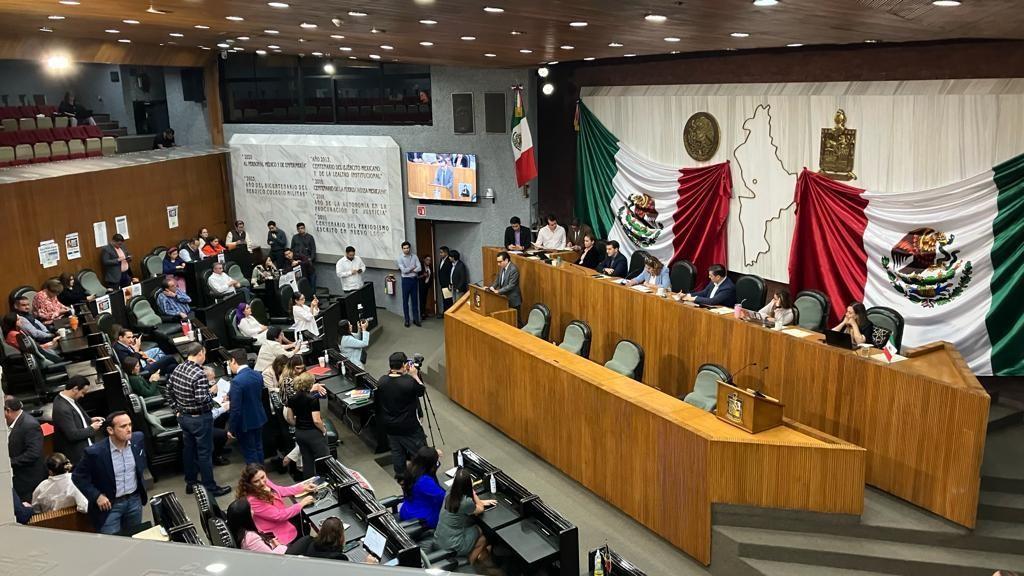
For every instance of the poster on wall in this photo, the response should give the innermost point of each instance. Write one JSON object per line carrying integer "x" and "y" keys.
{"x": 49, "y": 253}
{"x": 346, "y": 189}
{"x": 172, "y": 217}
{"x": 121, "y": 224}
{"x": 99, "y": 232}
{"x": 72, "y": 247}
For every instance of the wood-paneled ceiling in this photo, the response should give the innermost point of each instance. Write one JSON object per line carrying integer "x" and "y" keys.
{"x": 526, "y": 33}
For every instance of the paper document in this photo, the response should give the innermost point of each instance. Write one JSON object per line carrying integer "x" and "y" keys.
{"x": 797, "y": 332}
{"x": 641, "y": 288}
{"x": 721, "y": 311}
{"x": 451, "y": 471}
{"x": 446, "y": 293}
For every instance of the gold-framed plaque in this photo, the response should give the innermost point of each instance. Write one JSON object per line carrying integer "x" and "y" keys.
{"x": 701, "y": 136}
{"x": 838, "y": 145}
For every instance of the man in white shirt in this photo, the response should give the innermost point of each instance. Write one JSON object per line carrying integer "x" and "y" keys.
{"x": 552, "y": 236}
{"x": 350, "y": 270}
{"x": 221, "y": 284}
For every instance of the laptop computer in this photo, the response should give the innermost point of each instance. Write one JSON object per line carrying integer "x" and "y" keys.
{"x": 839, "y": 339}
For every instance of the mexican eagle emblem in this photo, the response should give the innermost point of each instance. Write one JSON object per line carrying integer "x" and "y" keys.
{"x": 639, "y": 220}
{"x": 925, "y": 269}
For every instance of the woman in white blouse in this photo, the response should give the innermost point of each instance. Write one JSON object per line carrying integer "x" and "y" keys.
{"x": 58, "y": 491}
{"x": 248, "y": 325}
{"x": 354, "y": 345}
{"x": 305, "y": 316}
{"x": 780, "y": 310}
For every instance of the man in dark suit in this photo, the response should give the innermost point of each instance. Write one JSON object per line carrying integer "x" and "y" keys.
{"x": 444, "y": 278}
{"x": 73, "y": 429}
{"x": 25, "y": 447}
{"x": 152, "y": 360}
{"x": 246, "y": 414}
{"x": 719, "y": 292}
{"x": 507, "y": 282}
{"x": 576, "y": 232}
{"x": 116, "y": 263}
{"x": 459, "y": 275}
{"x": 517, "y": 237}
{"x": 110, "y": 477}
{"x": 615, "y": 263}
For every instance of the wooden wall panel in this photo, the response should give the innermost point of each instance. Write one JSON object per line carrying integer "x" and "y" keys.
{"x": 36, "y": 47}
{"x": 685, "y": 458}
{"x": 923, "y": 421}
{"x": 49, "y": 208}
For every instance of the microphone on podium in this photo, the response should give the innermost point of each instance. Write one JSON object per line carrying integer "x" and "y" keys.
{"x": 738, "y": 372}
{"x": 757, "y": 391}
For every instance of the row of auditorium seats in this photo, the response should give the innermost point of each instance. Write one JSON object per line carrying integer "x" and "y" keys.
{"x": 17, "y": 112}
{"x": 46, "y": 145}
{"x": 33, "y": 122}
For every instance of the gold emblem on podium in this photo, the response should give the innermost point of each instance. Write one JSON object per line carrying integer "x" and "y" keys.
{"x": 837, "y": 148}
{"x": 701, "y": 136}
{"x": 476, "y": 300}
{"x": 734, "y": 408}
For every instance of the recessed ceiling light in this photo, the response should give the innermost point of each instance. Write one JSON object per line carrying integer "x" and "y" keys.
{"x": 112, "y": 31}
{"x": 674, "y": 52}
{"x": 261, "y": 52}
{"x": 579, "y": 24}
{"x": 739, "y": 35}
{"x": 234, "y": 18}
{"x": 204, "y": 47}
{"x": 467, "y": 38}
{"x": 517, "y": 33}
{"x": 352, "y": 58}
{"x": 553, "y": 62}
{"x": 176, "y": 35}
{"x": 56, "y": 17}
{"x": 271, "y": 32}
{"x": 428, "y": 22}
{"x": 69, "y": 2}
{"x": 238, "y": 49}
{"x": 871, "y": 41}
{"x": 614, "y": 45}
{"x": 307, "y": 25}
{"x": 124, "y": 41}
{"x": 794, "y": 45}
{"x": 277, "y": 4}
{"x": 765, "y": 2}
{"x": 374, "y": 30}
{"x": 317, "y": 53}
{"x": 45, "y": 29}
{"x": 223, "y": 45}
{"x": 278, "y": 51}
{"x": 493, "y": 9}
{"x": 330, "y": 69}
{"x": 629, "y": 55}
{"x": 130, "y": 21}
{"x": 243, "y": 38}
{"x": 526, "y": 51}
{"x": 356, "y": 13}
{"x": 201, "y": 27}
{"x": 344, "y": 48}
{"x": 302, "y": 39}
{"x": 655, "y": 18}
{"x": 271, "y": 46}
{"x": 543, "y": 72}
{"x": 489, "y": 55}
{"x": 566, "y": 47}
{"x": 548, "y": 89}
{"x": 230, "y": 40}
{"x": 427, "y": 44}
{"x": 337, "y": 36}
{"x": 942, "y": 3}
{"x": 671, "y": 39}
{"x": 386, "y": 47}
{"x": 374, "y": 57}
{"x": 589, "y": 58}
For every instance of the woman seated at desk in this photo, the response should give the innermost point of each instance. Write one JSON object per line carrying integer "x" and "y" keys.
{"x": 455, "y": 527}
{"x": 353, "y": 346}
{"x": 590, "y": 257}
{"x": 270, "y": 514}
{"x": 248, "y": 325}
{"x": 423, "y": 494}
{"x": 329, "y": 543}
{"x": 855, "y": 323}
{"x": 174, "y": 265}
{"x": 247, "y": 536}
{"x": 305, "y": 316}
{"x": 263, "y": 272}
{"x": 779, "y": 311}
{"x": 654, "y": 276}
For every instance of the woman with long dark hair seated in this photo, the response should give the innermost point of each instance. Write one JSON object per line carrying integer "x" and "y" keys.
{"x": 244, "y": 531}
{"x": 855, "y": 323}
{"x": 328, "y": 543}
{"x": 456, "y": 529}
{"x": 73, "y": 293}
{"x": 424, "y": 495}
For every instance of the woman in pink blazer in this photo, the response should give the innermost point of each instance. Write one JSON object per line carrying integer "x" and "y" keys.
{"x": 269, "y": 511}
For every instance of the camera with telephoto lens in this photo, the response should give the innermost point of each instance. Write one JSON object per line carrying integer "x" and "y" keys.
{"x": 417, "y": 361}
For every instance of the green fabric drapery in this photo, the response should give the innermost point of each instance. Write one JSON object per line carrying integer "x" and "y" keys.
{"x": 596, "y": 148}
{"x": 1004, "y": 322}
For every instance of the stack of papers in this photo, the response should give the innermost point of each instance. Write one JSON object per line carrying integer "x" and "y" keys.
{"x": 182, "y": 339}
{"x": 721, "y": 311}
{"x": 797, "y": 332}
{"x": 641, "y": 288}
{"x": 357, "y": 397}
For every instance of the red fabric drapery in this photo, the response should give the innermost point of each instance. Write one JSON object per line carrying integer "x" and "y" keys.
{"x": 828, "y": 241}
{"x": 702, "y": 211}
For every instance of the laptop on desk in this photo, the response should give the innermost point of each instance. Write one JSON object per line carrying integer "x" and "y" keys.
{"x": 839, "y": 339}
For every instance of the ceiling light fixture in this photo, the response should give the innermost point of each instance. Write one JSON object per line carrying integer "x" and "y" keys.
{"x": 261, "y": 52}
{"x": 548, "y": 89}
{"x": 204, "y": 47}
{"x": 45, "y": 29}
{"x": 330, "y": 69}
{"x": 765, "y": 3}
{"x": 223, "y": 45}
{"x": 271, "y": 46}
{"x": 352, "y": 58}
{"x": 374, "y": 30}
{"x": 386, "y": 47}
{"x": 526, "y": 51}
{"x": 337, "y": 22}
{"x": 337, "y": 36}
{"x": 674, "y": 52}
{"x": 374, "y": 57}
{"x": 238, "y": 49}
{"x": 428, "y": 22}
{"x": 467, "y": 38}
{"x": 566, "y": 47}
{"x": 234, "y": 18}
{"x": 124, "y": 41}
{"x": 317, "y": 54}
{"x": 307, "y": 25}
{"x": 112, "y": 31}
{"x": 489, "y": 55}
{"x": 69, "y": 2}
{"x": 356, "y": 13}
{"x": 426, "y": 44}
{"x": 230, "y": 40}
{"x": 271, "y": 32}
{"x": 130, "y": 21}
{"x": 277, "y": 4}
{"x": 794, "y": 45}
{"x": 739, "y": 35}
{"x": 946, "y": 3}
{"x": 553, "y": 62}
{"x": 579, "y": 24}
{"x": 493, "y": 9}
{"x": 614, "y": 45}
{"x": 176, "y": 35}
{"x": 302, "y": 39}
{"x": 243, "y": 38}
{"x": 671, "y": 39}
{"x": 56, "y": 17}
{"x": 344, "y": 48}
{"x": 589, "y": 58}
{"x": 517, "y": 33}
{"x": 871, "y": 41}
{"x": 543, "y": 72}
{"x": 657, "y": 18}
{"x": 628, "y": 55}
{"x": 201, "y": 27}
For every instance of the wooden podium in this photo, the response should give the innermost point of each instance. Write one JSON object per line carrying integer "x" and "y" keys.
{"x": 487, "y": 303}
{"x": 746, "y": 410}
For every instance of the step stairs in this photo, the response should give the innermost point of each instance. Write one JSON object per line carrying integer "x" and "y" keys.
{"x": 109, "y": 127}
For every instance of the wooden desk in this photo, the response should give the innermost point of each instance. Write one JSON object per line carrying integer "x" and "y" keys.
{"x": 923, "y": 421}
{"x": 656, "y": 458}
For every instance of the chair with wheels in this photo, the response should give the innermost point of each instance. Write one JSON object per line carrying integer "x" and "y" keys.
{"x": 628, "y": 360}
{"x": 576, "y": 338}
{"x": 538, "y": 322}
{"x": 705, "y": 387}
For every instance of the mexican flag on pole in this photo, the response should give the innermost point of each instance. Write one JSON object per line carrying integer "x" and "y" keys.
{"x": 522, "y": 143}
{"x": 950, "y": 260}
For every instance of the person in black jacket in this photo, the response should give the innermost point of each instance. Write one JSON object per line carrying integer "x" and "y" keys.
{"x": 329, "y": 543}
{"x": 25, "y": 447}
{"x": 459, "y": 275}
{"x": 73, "y": 429}
{"x": 115, "y": 500}
{"x": 615, "y": 263}
{"x": 591, "y": 256}
{"x": 516, "y": 228}
{"x": 444, "y": 279}
{"x": 398, "y": 400}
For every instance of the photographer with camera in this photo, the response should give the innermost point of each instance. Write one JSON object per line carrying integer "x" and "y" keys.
{"x": 398, "y": 403}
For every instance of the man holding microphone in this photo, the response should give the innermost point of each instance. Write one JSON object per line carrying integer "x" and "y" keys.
{"x": 398, "y": 403}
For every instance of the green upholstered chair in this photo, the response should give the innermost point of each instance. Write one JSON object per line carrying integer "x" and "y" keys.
{"x": 705, "y": 387}
{"x": 812, "y": 307}
{"x": 886, "y": 322}
{"x": 628, "y": 359}
{"x": 576, "y": 338}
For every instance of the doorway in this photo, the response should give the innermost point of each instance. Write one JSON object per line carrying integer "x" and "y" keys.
{"x": 424, "y": 248}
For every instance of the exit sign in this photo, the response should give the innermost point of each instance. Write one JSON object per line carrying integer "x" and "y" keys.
{"x": 421, "y": 210}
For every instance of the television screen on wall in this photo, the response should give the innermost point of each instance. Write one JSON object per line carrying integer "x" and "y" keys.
{"x": 445, "y": 177}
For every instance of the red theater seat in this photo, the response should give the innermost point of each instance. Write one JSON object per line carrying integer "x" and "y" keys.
{"x": 9, "y": 112}
{"x": 26, "y": 137}
{"x": 44, "y": 135}
{"x": 9, "y": 139}
{"x": 93, "y": 131}
{"x": 62, "y": 134}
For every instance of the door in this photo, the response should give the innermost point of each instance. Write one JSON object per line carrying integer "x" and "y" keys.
{"x": 424, "y": 248}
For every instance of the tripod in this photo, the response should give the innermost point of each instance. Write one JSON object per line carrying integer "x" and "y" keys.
{"x": 428, "y": 411}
